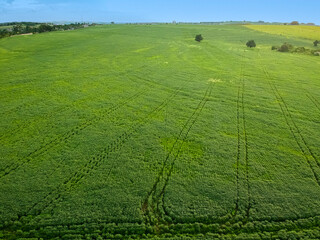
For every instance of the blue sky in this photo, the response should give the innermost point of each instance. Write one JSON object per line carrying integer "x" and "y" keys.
{"x": 160, "y": 10}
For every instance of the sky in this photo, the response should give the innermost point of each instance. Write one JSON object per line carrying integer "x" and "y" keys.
{"x": 121, "y": 11}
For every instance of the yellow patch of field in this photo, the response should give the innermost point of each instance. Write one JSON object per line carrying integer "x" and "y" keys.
{"x": 213, "y": 80}
{"x": 308, "y": 32}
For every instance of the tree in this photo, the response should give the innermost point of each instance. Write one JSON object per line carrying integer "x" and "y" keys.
{"x": 251, "y": 44}
{"x": 4, "y": 33}
{"x": 294, "y": 23}
{"x": 199, "y": 38}
{"x": 315, "y": 43}
{"x": 45, "y": 28}
{"x": 28, "y": 29}
{"x": 18, "y": 29}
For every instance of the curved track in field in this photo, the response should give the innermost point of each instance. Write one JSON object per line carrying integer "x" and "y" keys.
{"x": 66, "y": 136}
{"x": 314, "y": 101}
{"x": 155, "y": 196}
{"x": 305, "y": 149}
{"x": 73, "y": 180}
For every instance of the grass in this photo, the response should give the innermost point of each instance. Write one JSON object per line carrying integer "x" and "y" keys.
{"x": 128, "y": 130}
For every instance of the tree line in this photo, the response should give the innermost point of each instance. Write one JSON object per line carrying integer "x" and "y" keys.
{"x": 27, "y": 27}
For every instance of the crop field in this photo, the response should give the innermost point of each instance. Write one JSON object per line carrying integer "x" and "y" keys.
{"x": 307, "y": 32}
{"x": 139, "y": 132}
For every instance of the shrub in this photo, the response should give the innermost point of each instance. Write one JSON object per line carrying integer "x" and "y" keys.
{"x": 19, "y": 233}
{"x": 300, "y": 50}
{"x": 199, "y": 38}
{"x": 251, "y": 44}
{"x": 315, "y": 43}
{"x": 274, "y": 48}
{"x": 285, "y": 47}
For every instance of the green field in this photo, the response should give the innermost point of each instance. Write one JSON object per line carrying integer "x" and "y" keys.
{"x": 128, "y": 131}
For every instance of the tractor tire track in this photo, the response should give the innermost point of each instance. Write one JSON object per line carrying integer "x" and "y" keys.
{"x": 161, "y": 195}
{"x": 152, "y": 199}
{"x": 314, "y": 101}
{"x": 238, "y": 154}
{"x": 295, "y": 131}
{"x": 246, "y": 156}
{"x": 66, "y": 136}
{"x": 70, "y": 183}
{"x": 238, "y": 143}
{"x": 242, "y": 146}
{"x": 298, "y": 130}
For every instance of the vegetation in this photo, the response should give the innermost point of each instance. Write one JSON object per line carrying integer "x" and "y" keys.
{"x": 26, "y": 27}
{"x": 315, "y": 43}
{"x": 298, "y": 31}
{"x": 199, "y": 38}
{"x": 251, "y": 44}
{"x": 294, "y": 23}
{"x": 19, "y": 23}
{"x": 139, "y": 132}
{"x": 286, "y": 47}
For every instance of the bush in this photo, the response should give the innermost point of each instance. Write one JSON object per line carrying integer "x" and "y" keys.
{"x": 251, "y": 44}
{"x": 19, "y": 233}
{"x": 315, "y": 43}
{"x": 285, "y": 47}
{"x": 199, "y": 38}
{"x": 300, "y": 50}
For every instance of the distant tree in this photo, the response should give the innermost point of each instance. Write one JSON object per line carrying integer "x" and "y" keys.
{"x": 28, "y": 29}
{"x": 199, "y": 38}
{"x": 18, "y": 29}
{"x": 294, "y": 23}
{"x": 45, "y": 28}
{"x": 251, "y": 44}
{"x": 4, "y": 33}
{"x": 315, "y": 43}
